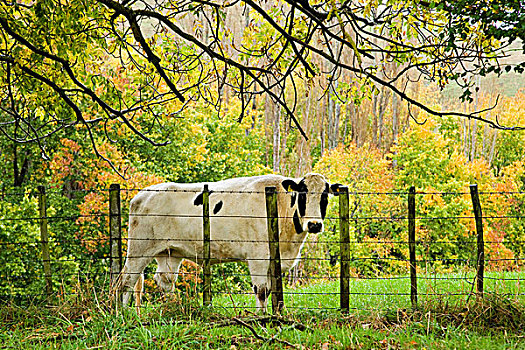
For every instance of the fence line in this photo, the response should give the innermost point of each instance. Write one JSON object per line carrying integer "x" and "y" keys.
{"x": 116, "y": 251}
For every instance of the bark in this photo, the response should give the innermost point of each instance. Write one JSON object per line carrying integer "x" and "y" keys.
{"x": 486, "y": 141}
{"x": 381, "y": 116}
{"x": 473, "y": 140}
{"x": 322, "y": 126}
{"x": 336, "y": 126}
{"x": 465, "y": 138}
{"x": 374, "y": 117}
{"x": 268, "y": 114}
{"x": 347, "y": 119}
{"x": 19, "y": 174}
{"x": 276, "y": 138}
{"x": 334, "y": 112}
{"x": 395, "y": 118}
{"x": 284, "y": 139}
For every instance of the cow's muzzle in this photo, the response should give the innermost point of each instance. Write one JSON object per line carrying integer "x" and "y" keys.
{"x": 315, "y": 227}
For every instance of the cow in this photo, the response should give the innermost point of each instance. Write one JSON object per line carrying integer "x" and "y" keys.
{"x": 165, "y": 223}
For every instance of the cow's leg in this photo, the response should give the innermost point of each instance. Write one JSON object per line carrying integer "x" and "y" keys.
{"x": 261, "y": 286}
{"x": 139, "y": 288}
{"x": 131, "y": 274}
{"x": 167, "y": 272}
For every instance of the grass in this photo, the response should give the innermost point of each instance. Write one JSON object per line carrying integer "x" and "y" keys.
{"x": 311, "y": 320}
{"x": 376, "y": 295}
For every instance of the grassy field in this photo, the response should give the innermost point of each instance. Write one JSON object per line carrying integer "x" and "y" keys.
{"x": 381, "y": 318}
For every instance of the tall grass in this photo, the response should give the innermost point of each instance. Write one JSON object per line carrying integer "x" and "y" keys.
{"x": 448, "y": 316}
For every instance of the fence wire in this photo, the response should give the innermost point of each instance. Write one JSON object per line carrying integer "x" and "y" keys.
{"x": 379, "y": 266}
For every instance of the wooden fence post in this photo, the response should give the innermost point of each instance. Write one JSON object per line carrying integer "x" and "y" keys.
{"x": 480, "y": 263}
{"x": 115, "y": 233}
{"x": 412, "y": 245}
{"x": 206, "y": 266}
{"x": 275, "y": 255}
{"x": 344, "y": 234}
{"x": 44, "y": 237}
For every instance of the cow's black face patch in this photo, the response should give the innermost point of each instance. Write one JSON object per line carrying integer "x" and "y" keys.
{"x": 301, "y": 202}
{"x": 324, "y": 201}
{"x": 297, "y": 223}
{"x": 294, "y": 198}
{"x": 302, "y": 189}
{"x": 217, "y": 207}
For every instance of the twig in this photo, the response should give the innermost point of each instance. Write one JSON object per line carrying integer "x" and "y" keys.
{"x": 264, "y": 320}
{"x": 266, "y": 340}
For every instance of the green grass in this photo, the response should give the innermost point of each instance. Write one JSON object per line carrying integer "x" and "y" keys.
{"x": 310, "y": 321}
{"x": 384, "y": 294}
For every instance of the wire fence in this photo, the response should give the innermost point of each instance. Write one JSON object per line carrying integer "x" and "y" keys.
{"x": 378, "y": 250}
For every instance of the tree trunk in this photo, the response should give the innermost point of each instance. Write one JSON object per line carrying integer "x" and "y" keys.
{"x": 473, "y": 140}
{"x": 381, "y": 116}
{"x": 276, "y": 138}
{"x": 374, "y": 117}
{"x": 336, "y": 126}
{"x": 268, "y": 121}
{"x": 334, "y": 112}
{"x": 19, "y": 174}
{"x": 395, "y": 118}
{"x": 284, "y": 139}
{"x": 347, "y": 118}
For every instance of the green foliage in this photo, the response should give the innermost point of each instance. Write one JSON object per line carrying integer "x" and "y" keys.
{"x": 204, "y": 147}
{"x": 20, "y": 266}
{"x": 21, "y": 254}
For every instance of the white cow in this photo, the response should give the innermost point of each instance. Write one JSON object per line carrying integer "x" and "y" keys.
{"x": 166, "y": 223}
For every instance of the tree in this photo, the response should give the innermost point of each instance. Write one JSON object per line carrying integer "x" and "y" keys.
{"x": 86, "y": 63}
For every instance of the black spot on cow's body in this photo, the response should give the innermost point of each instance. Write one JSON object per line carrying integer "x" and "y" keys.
{"x": 217, "y": 207}
{"x": 324, "y": 201}
{"x": 297, "y": 223}
{"x": 198, "y": 200}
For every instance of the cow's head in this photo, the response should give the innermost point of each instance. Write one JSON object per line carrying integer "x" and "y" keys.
{"x": 309, "y": 200}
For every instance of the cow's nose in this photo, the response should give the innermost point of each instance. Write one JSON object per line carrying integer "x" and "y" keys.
{"x": 315, "y": 227}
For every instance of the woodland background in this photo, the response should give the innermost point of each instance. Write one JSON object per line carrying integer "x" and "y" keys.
{"x": 359, "y": 133}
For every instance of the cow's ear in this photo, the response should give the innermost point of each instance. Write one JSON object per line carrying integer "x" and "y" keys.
{"x": 290, "y": 185}
{"x": 334, "y": 188}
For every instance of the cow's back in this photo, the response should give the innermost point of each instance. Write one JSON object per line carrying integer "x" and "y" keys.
{"x": 171, "y": 214}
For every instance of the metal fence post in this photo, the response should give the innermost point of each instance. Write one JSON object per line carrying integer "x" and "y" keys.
{"x": 275, "y": 255}
{"x": 115, "y": 233}
{"x": 344, "y": 234}
{"x": 412, "y": 245}
{"x": 44, "y": 236}
{"x": 480, "y": 262}
{"x": 206, "y": 267}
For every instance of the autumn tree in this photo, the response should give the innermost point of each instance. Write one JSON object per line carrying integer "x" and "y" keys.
{"x": 85, "y": 64}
